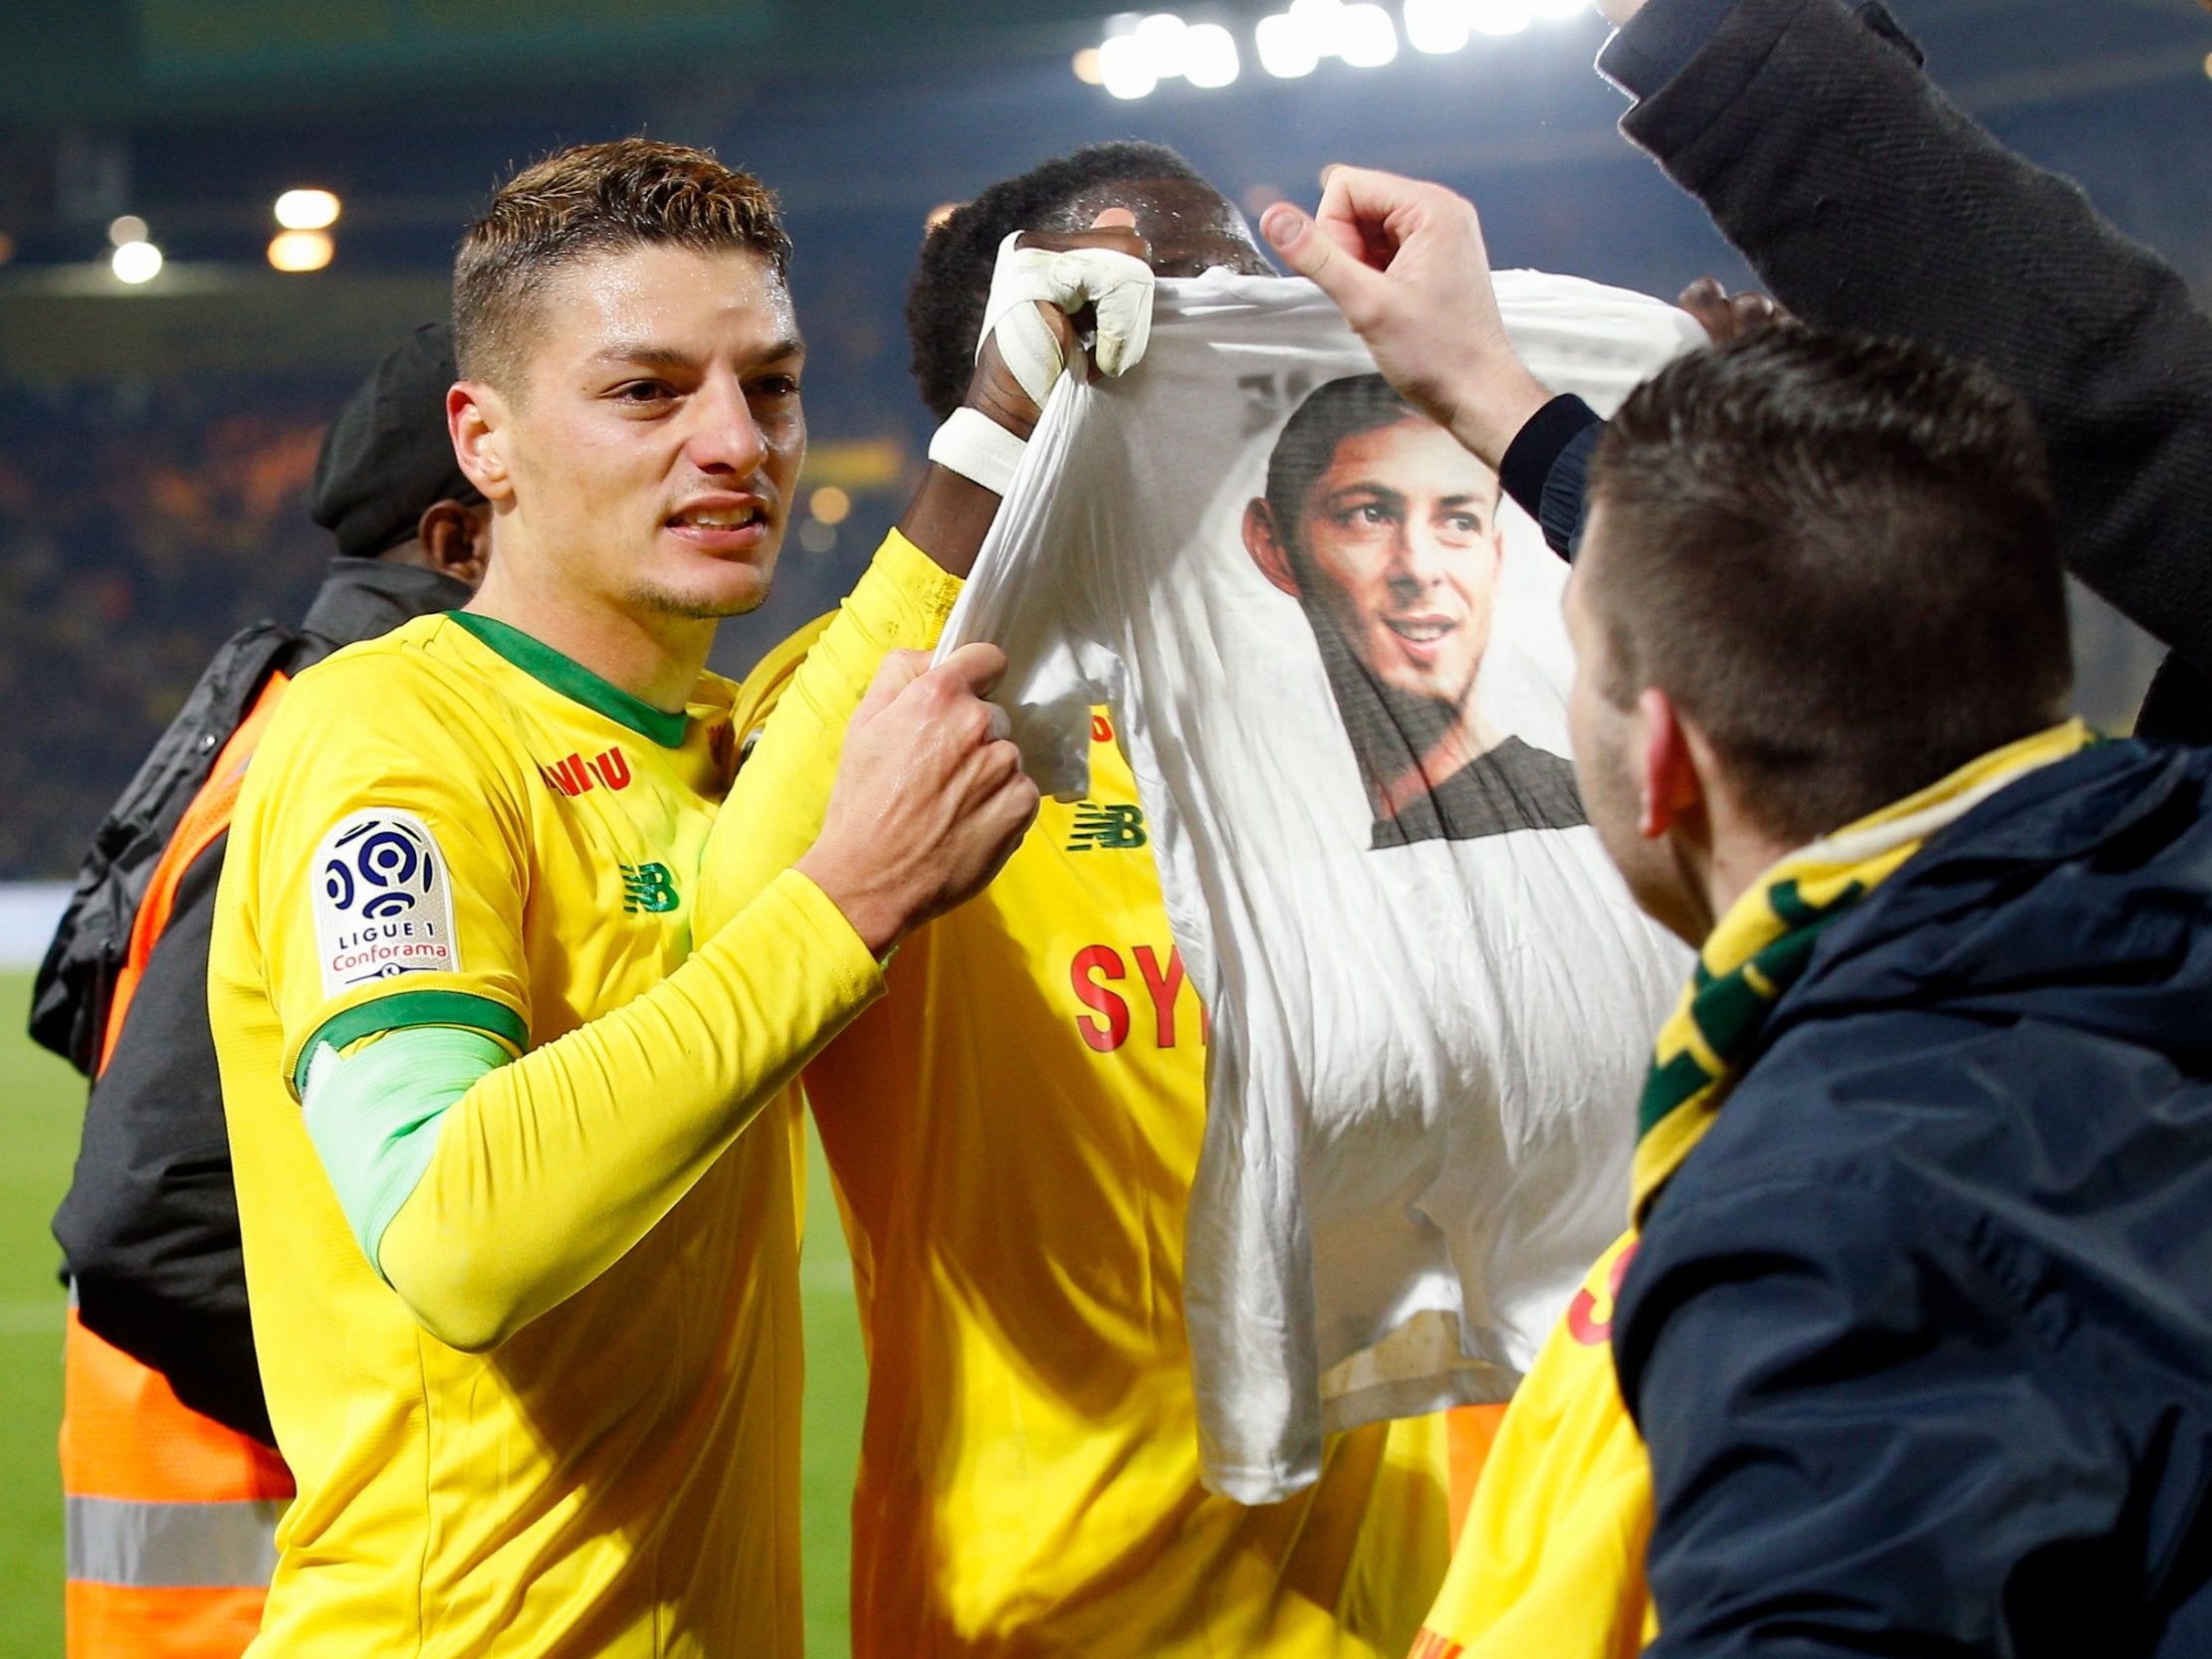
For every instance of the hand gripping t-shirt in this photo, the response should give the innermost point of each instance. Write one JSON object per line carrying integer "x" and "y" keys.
{"x": 1341, "y": 673}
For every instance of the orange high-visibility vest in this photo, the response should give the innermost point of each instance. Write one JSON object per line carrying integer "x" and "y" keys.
{"x": 171, "y": 1516}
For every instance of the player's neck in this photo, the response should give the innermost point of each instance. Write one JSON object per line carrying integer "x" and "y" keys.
{"x": 1464, "y": 738}
{"x": 653, "y": 655}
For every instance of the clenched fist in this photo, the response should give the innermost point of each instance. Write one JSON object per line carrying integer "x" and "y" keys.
{"x": 1405, "y": 262}
{"x": 929, "y": 798}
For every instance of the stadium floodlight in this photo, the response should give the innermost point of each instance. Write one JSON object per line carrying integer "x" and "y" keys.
{"x": 1161, "y": 37}
{"x": 1124, "y": 67}
{"x": 1365, "y": 36}
{"x": 1086, "y": 68}
{"x": 307, "y": 210}
{"x": 129, "y": 227}
{"x": 1288, "y": 44}
{"x": 1556, "y": 10}
{"x": 297, "y": 251}
{"x": 135, "y": 263}
{"x": 1209, "y": 56}
{"x": 1497, "y": 17}
{"x": 1436, "y": 26}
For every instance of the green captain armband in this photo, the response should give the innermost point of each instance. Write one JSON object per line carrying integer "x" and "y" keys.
{"x": 372, "y": 1115}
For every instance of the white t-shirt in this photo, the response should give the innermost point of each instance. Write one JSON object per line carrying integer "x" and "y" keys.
{"x": 1431, "y": 997}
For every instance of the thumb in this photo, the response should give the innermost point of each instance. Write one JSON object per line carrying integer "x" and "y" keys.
{"x": 1314, "y": 256}
{"x": 899, "y": 670}
{"x": 974, "y": 667}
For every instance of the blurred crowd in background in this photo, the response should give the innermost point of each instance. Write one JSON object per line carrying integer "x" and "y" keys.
{"x": 152, "y": 500}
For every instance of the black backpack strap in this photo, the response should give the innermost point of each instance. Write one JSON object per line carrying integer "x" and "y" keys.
{"x": 69, "y": 998}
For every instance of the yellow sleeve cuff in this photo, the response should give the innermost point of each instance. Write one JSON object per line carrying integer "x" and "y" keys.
{"x": 840, "y": 950}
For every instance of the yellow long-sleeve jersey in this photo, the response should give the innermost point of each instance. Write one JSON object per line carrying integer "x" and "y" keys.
{"x": 567, "y": 1424}
{"x": 1014, "y": 1133}
{"x": 1550, "y": 1565}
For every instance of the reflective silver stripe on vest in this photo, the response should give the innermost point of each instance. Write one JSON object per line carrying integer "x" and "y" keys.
{"x": 220, "y": 1546}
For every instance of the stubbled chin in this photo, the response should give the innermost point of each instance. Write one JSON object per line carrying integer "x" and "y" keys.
{"x": 729, "y": 590}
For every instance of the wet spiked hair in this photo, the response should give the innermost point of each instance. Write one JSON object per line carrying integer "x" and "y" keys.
{"x": 594, "y": 199}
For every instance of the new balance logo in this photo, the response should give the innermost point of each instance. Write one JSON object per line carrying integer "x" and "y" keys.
{"x": 1111, "y": 829}
{"x": 648, "y": 886}
{"x": 575, "y": 775}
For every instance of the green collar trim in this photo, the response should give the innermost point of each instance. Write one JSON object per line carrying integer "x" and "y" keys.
{"x": 576, "y": 682}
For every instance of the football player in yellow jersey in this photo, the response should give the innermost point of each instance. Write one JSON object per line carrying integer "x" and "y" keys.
{"x": 525, "y": 1294}
{"x": 1014, "y": 1133}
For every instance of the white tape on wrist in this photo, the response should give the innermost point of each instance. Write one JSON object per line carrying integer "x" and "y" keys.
{"x": 978, "y": 448}
{"x": 1117, "y": 288}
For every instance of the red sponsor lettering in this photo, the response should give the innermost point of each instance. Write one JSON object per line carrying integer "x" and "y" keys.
{"x": 1432, "y": 1644}
{"x": 577, "y": 775}
{"x": 612, "y": 768}
{"x": 416, "y": 950}
{"x": 1583, "y": 1322}
{"x": 1163, "y": 987}
{"x": 1102, "y": 730}
{"x": 1103, "y": 961}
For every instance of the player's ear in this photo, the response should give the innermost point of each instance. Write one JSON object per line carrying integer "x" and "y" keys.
{"x": 478, "y": 418}
{"x": 1267, "y": 548}
{"x": 1672, "y": 763}
{"x": 455, "y": 539}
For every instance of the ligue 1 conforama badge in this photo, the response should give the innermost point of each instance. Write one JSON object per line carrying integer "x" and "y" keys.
{"x": 383, "y": 901}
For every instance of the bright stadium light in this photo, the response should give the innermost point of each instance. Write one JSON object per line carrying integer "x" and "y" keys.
{"x": 1160, "y": 36}
{"x": 1288, "y": 44}
{"x": 1497, "y": 17}
{"x": 1436, "y": 26}
{"x": 1209, "y": 56}
{"x": 1124, "y": 67}
{"x": 135, "y": 263}
{"x": 300, "y": 251}
{"x": 129, "y": 227}
{"x": 1555, "y": 10}
{"x": 1365, "y": 36}
{"x": 1140, "y": 52}
{"x": 307, "y": 210}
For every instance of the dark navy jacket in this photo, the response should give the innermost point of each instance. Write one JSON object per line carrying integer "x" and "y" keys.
{"x": 1865, "y": 201}
{"x": 1921, "y": 1334}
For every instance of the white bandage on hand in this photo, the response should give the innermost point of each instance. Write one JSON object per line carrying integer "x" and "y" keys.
{"x": 1116, "y": 286}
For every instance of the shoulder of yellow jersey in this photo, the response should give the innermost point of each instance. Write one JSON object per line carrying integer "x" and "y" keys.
{"x": 421, "y": 695}
{"x": 761, "y": 688}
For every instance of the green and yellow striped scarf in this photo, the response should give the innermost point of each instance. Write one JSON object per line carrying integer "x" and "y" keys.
{"x": 1761, "y": 946}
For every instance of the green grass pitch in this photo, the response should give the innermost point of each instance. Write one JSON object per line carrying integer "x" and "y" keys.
{"x": 41, "y": 1102}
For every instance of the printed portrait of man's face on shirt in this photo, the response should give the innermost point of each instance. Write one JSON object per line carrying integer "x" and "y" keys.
{"x": 1385, "y": 529}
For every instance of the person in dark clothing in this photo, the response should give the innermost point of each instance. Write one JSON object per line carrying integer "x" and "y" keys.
{"x": 1917, "y": 1332}
{"x": 1867, "y": 201}
{"x": 149, "y": 1226}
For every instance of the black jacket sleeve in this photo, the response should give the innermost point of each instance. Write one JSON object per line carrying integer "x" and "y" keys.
{"x": 149, "y": 1227}
{"x": 1859, "y": 1444}
{"x": 1867, "y": 201}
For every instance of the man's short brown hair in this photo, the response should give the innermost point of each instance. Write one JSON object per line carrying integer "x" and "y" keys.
{"x": 1839, "y": 557}
{"x": 594, "y": 199}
